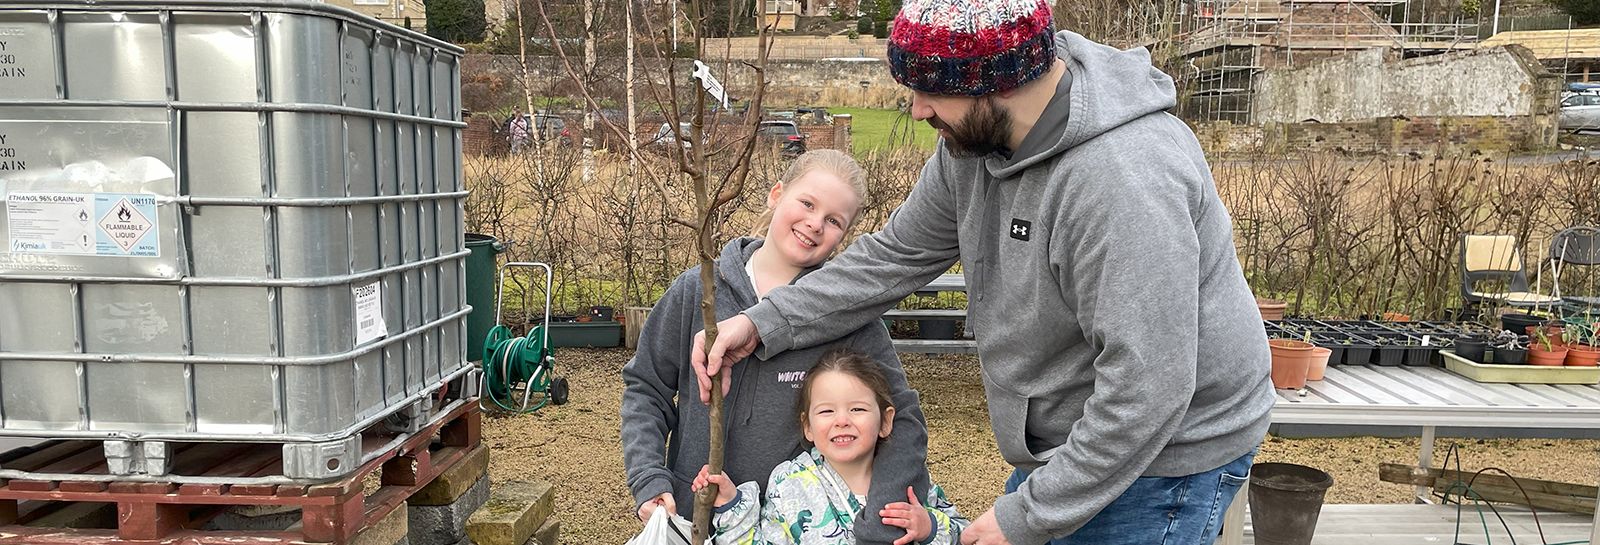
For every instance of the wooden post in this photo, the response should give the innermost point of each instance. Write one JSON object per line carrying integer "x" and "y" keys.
{"x": 147, "y": 520}
{"x": 466, "y": 431}
{"x": 334, "y": 523}
{"x": 633, "y": 324}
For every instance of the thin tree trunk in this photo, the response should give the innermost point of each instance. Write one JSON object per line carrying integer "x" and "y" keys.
{"x": 522, "y": 58}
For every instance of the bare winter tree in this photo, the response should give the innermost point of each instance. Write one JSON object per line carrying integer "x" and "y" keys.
{"x": 715, "y": 166}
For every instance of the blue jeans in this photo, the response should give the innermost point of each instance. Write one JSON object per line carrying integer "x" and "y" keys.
{"x": 1165, "y": 510}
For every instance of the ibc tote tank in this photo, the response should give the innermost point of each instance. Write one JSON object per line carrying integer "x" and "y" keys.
{"x": 226, "y": 221}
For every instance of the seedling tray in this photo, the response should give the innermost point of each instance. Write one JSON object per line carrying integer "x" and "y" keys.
{"x": 1519, "y": 374}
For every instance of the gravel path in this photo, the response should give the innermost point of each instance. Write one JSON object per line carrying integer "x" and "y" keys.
{"x": 577, "y": 446}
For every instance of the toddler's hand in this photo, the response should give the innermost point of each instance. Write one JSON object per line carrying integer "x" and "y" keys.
{"x": 725, "y": 489}
{"x": 909, "y": 515}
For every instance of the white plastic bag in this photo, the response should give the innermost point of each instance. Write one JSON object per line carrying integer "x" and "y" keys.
{"x": 664, "y": 528}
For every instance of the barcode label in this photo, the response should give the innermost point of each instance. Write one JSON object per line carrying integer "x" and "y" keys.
{"x": 369, "y": 312}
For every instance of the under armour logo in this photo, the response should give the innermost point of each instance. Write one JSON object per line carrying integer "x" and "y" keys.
{"x": 1019, "y": 229}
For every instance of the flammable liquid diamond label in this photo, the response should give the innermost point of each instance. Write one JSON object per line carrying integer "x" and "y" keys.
{"x": 127, "y": 224}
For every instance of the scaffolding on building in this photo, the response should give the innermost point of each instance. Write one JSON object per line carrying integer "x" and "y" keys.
{"x": 1226, "y": 44}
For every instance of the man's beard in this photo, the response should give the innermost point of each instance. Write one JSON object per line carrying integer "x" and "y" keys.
{"x": 984, "y": 131}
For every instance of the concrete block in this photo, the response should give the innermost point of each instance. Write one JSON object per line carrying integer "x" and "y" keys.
{"x": 450, "y": 485}
{"x": 447, "y": 524}
{"x": 390, "y": 530}
{"x": 256, "y": 518}
{"x": 513, "y": 513}
{"x": 549, "y": 534}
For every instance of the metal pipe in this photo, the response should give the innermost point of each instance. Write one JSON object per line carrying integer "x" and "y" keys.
{"x": 303, "y": 7}
{"x": 260, "y": 107}
{"x": 229, "y": 437}
{"x": 308, "y": 201}
{"x": 321, "y": 281}
{"x": 239, "y": 360}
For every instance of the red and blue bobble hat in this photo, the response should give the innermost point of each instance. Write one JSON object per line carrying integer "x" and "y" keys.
{"x": 971, "y": 47}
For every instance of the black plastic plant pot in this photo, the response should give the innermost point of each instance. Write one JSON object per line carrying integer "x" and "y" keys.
{"x": 1510, "y": 356}
{"x": 1391, "y": 356}
{"x": 1518, "y": 323}
{"x": 1358, "y": 352}
{"x": 1419, "y": 356}
{"x": 1335, "y": 353}
{"x": 1472, "y": 348}
{"x": 1285, "y": 500}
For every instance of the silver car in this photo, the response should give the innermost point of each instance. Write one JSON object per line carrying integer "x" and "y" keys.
{"x": 1580, "y": 112}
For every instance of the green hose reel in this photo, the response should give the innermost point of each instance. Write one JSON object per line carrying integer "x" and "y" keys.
{"x": 511, "y": 363}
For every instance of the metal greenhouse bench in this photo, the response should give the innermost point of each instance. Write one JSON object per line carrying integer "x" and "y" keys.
{"x": 1429, "y": 397}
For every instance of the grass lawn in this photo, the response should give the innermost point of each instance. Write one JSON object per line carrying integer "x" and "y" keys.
{"x": 871, "y": 129}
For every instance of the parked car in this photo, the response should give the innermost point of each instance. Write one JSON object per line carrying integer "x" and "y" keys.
{"x": 548, "y": 127}
{"x": 545, "y": 128}
{"x": 663, "y": 137}
{"x": 816, "y": 115}
{"x": 785, "y": 134}
{"x": 1580, "y": 111}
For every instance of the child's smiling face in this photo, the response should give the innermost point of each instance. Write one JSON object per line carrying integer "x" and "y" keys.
{"x": 844, "y": 420}
{"x": 809, "y": 216}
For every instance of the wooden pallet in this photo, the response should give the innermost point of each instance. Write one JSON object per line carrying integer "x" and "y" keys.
{"x": 170, "y": 513}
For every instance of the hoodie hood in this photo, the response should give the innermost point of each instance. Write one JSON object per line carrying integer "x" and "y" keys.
{"x": 1109, "y": 88}
{"x": 730, "y": 269}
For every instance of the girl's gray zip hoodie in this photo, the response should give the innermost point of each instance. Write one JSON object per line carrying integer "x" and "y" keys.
{"x": 1117, "y": 334}
{"x": 664, "y": 425}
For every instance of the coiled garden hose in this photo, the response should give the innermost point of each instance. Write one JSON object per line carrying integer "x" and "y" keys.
{"x": 509, "y": 360}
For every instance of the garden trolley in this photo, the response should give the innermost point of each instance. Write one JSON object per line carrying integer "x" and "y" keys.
{"x": 510, "y": 361}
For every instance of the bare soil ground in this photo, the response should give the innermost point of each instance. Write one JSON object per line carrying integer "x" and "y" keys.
{"x": 577, "y": 446}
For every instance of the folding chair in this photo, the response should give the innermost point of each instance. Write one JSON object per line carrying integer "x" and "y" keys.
{"x": 1575, "y": 246}
{"x": 1496, "y": 258}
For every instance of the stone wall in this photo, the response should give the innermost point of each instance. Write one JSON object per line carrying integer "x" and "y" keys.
{"x": 1390, "y": 135}
{"x": 483, "y": 135}
{"x": 1496, "y": 99}
{"x": 791, "y": 48}
{"x": 837, "y": 83}
{"x": 1497, "y": 82}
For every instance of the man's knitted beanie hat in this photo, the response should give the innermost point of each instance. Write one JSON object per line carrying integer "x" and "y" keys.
{"x": 971, "y": 47}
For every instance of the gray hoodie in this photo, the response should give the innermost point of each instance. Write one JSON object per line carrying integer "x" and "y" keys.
{"x": 665, "y": 428}
{"x": 1117, "y": 335}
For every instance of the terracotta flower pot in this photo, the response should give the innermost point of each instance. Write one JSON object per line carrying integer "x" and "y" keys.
{"x": 1319, "y": 363}
{"x": 1554, "y": 357}
{"x": 1291, "y": 361}
{"x": 1271, "y": 309}
{"x": 1582, "y": 356}
{"x": 1555, "y": 333}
